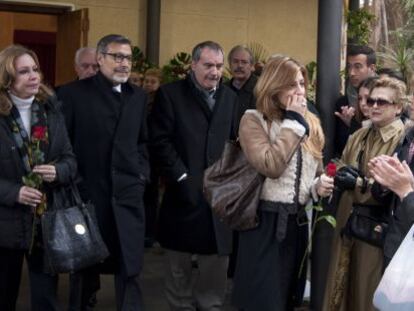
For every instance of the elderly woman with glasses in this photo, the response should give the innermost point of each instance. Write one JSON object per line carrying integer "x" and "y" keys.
{"x": 357, "y": 251}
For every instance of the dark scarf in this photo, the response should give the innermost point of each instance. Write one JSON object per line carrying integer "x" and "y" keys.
{"x": 32, "y": 150}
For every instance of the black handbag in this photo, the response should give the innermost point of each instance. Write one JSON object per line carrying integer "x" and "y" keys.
{"x": 232, "y": 187}
{"x": 368, "y": 223}
{"x": 71, "y": 236}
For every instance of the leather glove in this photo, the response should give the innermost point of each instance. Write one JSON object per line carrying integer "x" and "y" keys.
{"x": 346, "y": 178}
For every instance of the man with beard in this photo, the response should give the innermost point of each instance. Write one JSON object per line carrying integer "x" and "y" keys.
{"x": 106, "y": 120}
{"x": 241, "y": 62}
{"x": 189, "y": 124}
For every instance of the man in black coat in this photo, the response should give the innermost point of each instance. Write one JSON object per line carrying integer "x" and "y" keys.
{"x": 189, "y": 124}
{"x": 395, "y": 174}
{"x": 360, "y": 64}
{"x": 106, "y": 123}
{"x": 243, "y": 81}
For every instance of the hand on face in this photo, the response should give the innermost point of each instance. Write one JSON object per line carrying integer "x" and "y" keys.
{"x": 296, "y": 103}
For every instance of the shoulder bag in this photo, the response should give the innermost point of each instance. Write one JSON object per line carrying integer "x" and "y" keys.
{"x": 232, "y": 187}
{"x": 368, "y": 223}
{"x": 71, "y": 236}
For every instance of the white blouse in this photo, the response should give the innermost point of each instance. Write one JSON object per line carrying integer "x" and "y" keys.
{"x": 24, "y": 106}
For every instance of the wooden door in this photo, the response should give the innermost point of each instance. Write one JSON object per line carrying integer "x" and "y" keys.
{"x": 71, "y": 35}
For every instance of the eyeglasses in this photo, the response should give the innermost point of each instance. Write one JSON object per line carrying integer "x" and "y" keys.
{"x": 119, "y": 58}
{"x": 379, "y": 101}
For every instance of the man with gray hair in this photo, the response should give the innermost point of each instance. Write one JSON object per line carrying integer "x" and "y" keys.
{"x": 85, "y": 62}
{"x": 189, "y": 124}
{"x": 106, "y": 121}
{"x": 241, "y": 62}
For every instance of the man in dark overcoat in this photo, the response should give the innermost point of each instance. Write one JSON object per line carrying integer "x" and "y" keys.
{"x": 190, "y": 122}
{"x": 243, "y": 81}
{"x": 106, "y": 120}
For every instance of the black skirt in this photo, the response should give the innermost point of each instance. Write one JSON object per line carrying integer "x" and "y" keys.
{"x": 267, "y": 271}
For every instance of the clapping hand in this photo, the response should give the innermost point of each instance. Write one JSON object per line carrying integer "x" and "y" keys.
{"x": 390, "y": 172}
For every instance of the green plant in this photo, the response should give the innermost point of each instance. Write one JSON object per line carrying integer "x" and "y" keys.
{"x": 311, "y": 91}
{"x": 139, "y": 62}
{"x": 401, "y": 56}
{"x": 260, "y": 54}
{"x": 359, "y": 26}
{"x": 177, "y": 68}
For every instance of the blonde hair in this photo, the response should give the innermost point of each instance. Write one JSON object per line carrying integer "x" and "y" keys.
{"x": 277, "y": 76}
{"x": 8, "y": 58}
{"x": 400, "y": 90}
{"x": 154, "y": 72}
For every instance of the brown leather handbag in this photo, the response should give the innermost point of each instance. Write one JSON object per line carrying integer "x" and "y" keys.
{"x": 232, "y": 187}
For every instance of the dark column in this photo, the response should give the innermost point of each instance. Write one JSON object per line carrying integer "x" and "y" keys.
{"x": 353, "y": 5}
{"x": 328, "y": 89}
{"x": 153, "y": 30}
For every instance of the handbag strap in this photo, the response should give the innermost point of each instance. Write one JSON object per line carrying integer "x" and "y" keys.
{"x": 62, "y": 196}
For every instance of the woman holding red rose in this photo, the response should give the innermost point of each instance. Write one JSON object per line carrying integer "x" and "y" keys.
{"x": 35, "y": 155}
{"x": 356, "y": 259}
{"x": 284, "y": 142}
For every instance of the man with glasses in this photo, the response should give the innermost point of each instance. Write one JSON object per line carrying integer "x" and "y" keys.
{"x": 85, "y": 62}
{"x": 360, "y": 64}
{"x": 106, "y": 120}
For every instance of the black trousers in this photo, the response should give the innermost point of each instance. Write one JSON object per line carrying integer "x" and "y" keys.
{"x": 43, "y": 287}
{"x": 84, "y": 284}
{"x": 11, "y": 263}
{"x": 267, "y": 271}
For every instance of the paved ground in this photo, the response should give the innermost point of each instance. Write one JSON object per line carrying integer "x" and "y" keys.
{"x": 151, "y": 285}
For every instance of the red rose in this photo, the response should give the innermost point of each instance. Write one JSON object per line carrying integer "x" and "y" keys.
{"x": 331, "y": 169}
{"x": 39, "y": 132}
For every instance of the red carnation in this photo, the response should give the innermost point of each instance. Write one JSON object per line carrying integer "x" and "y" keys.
{"x": 331, "y": 169}
{"x": 39, "y": 132}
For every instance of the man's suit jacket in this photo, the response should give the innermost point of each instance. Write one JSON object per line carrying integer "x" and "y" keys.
{"x": 187, "y": 137}
{"x": 108, "y": 134}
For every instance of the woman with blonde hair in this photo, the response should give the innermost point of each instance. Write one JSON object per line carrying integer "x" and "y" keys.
{"x": 284, "y": 142}
{"x": 356, "y": 259}
{"x": 35, "y": 156}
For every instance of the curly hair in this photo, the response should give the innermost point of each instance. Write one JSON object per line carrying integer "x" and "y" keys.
{"x": 400, "y": 90}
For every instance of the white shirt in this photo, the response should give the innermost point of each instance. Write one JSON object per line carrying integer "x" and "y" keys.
{"x": 24, "y": 106}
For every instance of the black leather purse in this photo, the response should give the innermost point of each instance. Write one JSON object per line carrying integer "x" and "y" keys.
{"x": 71, "y": 236}
{"x": 368, "y": 223}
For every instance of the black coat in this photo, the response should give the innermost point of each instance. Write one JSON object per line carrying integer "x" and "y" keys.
{"x": 245, "y": 95}
{"x": 403, "y": 216}
{"x": 186, "y": 137}
{"x": 108, "y": 134}
{"x": 16, "y": 219}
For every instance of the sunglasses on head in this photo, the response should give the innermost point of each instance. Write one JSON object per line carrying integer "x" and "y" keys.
{"x": 379, "y": 101}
